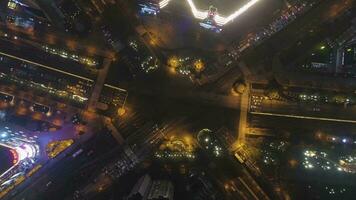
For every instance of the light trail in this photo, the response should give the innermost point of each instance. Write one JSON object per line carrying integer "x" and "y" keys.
{"x": 197, "y": 14}
{"x": 163, "y": 3}
{"x": 238, "y": 12}
{"x": 305, "y": 117}
{"x": 45, "y": 66}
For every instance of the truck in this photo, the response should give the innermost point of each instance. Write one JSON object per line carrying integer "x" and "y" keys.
{"x": 77, "y": 153}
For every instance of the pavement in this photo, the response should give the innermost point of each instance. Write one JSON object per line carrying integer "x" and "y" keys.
{"x": 188, "y": 94}
{"x": 244, "y": 108}
{"x": 100, "y": 81}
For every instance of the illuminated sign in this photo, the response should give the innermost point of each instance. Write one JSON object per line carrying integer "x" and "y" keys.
{"x": 12, "y": 5}
{"x": 220, "y": 20}
{"x": 15, "y": 157}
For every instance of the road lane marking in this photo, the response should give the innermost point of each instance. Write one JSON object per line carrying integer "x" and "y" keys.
{"x": 45, "y": 66}
{"x": 115, "y": 88}
{"x": 248, "y": 188}
{"x": 305, "y": 117}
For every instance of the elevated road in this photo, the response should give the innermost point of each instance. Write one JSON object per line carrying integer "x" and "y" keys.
{"x": 244, "y": 108}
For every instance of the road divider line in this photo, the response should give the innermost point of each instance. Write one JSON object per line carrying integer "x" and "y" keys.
{"x": 45, "y": 66}
{"x": 305, "y": 117}
{"x": 115, "y": 88}
{"x": 248, "y": 188}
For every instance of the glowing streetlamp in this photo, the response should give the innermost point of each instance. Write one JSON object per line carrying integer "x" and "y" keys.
{"x": 199, "y": 65}
{"x": 121, "y": 111}
{"x": 173, "y": 62}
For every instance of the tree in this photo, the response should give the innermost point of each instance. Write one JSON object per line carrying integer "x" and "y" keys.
{"x": 273, "y": 93}
{"x": 239, "y": 86}
{"x": 339, "y": 98}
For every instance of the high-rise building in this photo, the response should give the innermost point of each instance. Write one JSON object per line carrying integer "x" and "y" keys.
{"x": 148, "y": 189}
{"x": 161, "y": 190}
{"x": 141, "y": 188}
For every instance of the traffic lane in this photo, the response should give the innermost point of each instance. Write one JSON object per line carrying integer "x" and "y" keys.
{"x": 99, "y": 153}
{"x": 309, "y": 109}
{"x": 57, "y": 40}
{"x": 187, "y": 95}
{"x": 57, "y": 172}
{"x": 19, "y": 49}
{"x": 54, "y": 165}
{"x": 282, "y": 40}
{"x": 300, "y": 126}
{"x": 93, "y": 46}
{"x": 102, "y": 180}
{"x": 236, "y": 170}
{"x": 20, "y": 94}
{"x": 121, "y": 166}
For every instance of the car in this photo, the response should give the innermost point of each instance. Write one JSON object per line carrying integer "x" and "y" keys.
{"x": 49, "y": 183}
{"x": 77, "y": 153}
{"x": 91, "y": 152}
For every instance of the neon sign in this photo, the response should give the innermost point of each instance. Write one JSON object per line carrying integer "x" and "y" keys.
{"x": 15, "y": 157}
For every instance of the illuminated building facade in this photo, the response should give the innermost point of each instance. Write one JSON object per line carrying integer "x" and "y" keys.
{"x": 211, "y": 17}
{"x": 24, "y": 154}
{"x": 113, "y": 98}
{"x": 58, "y": 84}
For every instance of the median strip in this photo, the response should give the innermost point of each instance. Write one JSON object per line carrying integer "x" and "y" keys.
{"x": 305, "y": 117}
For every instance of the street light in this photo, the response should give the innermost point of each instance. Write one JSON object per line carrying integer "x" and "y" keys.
{"x": 173, "y": 62}
{"x": 121, "y": 111}
{"x": 199, "y": 65}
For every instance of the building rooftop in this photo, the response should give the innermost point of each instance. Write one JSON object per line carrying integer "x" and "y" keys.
{"x": 161, "y": 190}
